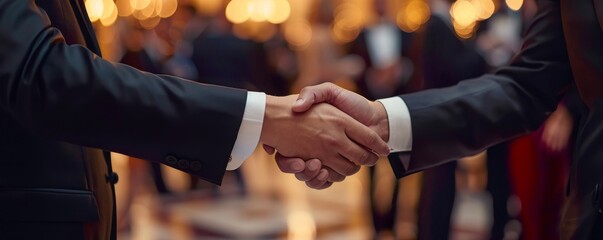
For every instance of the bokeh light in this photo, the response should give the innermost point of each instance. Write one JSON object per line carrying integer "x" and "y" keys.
{"x": 237, "y": 11}
{"x": 168, "y": 8}
{"x": 514, "y": 4}
{"x": 280, "y": 13}
{"x": 109, "y": 17}
{"x": 107, "y": 11}
{"x": 272, "y": 11}
{"x": 412, "y": 15}
{"x": 463, "y": 13}
{"x": 208, "y": 7}
{"x": 298, "y": 33}
{"x": 95, "y": 9}
{"x": 484, "y": 8}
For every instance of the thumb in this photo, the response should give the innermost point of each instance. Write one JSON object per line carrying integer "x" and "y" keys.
{"x": 314, "y": 95}
{"x": 301, "y": 104}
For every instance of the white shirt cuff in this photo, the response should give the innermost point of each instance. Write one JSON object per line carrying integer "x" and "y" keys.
{"x": 250, "y": 130}
{"x": 400, "y": 130}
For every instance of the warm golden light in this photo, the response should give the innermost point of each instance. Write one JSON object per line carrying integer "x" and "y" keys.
{"x": 265, "y": 32}
{"x": 208, "y": 7}
{"x": 147, "y": 12}
{"x": 150, "y": 23}
{"x": 464, "y": 31}
{"x": 301, "y": 226}
{"x": 298, "y": 33}
{"x": 168, "y": 8}
{"x": 413, "y": 15}
{"x": 95, "y": 9}
{"x": 484, "y": 8}
{"x": 514, "y": 4}
{"x": 273, "y": 11}
{"x": 124, "y": 8}
{"x": 280, "y": 12}
{"x": 109, "y": 19}
{"x": 463, "y": 13}
{"x": 259, "y": 9}
{"x": 345, "y": 30}
{"x": 237, "y": 11}
{"x": 139, "y": 4}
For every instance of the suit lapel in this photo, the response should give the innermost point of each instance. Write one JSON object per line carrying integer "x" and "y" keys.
{"x": 85, "y": 26}
{"x": 92, "y": 44}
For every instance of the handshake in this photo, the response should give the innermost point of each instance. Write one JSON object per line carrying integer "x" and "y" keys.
{"x": 324, "y": 134}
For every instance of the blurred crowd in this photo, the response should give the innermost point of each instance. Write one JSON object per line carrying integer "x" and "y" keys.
{"x": 398, "y": 46}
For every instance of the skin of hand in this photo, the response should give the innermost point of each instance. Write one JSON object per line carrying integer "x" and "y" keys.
{"x": 310, "y": 172}
{"x": 371, "y": 114}
{"x": 323, "y": 132}
{"x": 558, "y": 129}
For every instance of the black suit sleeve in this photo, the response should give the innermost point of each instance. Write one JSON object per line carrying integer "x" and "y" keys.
{"x": 465, "y": 119}
{"x": 66, "y": 92}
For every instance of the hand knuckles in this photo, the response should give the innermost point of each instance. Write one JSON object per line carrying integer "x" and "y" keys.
{"x": 371, "y": 159}
{"x": 364, "y": 158}
{"x": 331, "y": 141}
{"x": 351, "y": 169}
{"x": 372, "y": 139}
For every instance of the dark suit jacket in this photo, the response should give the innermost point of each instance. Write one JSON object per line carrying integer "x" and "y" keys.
{"x": 562, "y": 46}
{"x": 360, "y": 47}
{"x": 60, "y": 102}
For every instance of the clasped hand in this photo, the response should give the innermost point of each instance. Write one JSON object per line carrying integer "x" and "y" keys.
{"x": 324, "y": 134}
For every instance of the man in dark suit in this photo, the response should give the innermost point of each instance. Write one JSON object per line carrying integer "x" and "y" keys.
{"x": 60, "y": 103}
{"x": 563, "y": 43}
{"x": 423, "y": 61}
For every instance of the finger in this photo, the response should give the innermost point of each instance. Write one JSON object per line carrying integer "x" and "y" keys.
{"x": 366, "y": 137}
{"x": 319, "y": 180}
{"x": 341, "y": 165}
{"x": 324, "y": 186}
{"x": 315, "y": 94}
{"x": 359, "y": 155}
{"x": 289, "y": 165}
{"x": 333, "y": 175}
{"x": 312, "y": 170}
{"x": 270, "y": 150}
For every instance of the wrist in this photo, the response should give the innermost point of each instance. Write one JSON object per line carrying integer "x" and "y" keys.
{"x": 277, "y": 109}
{"x": 380, "y": 122}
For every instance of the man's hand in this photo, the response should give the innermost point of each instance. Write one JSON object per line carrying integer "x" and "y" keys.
{"x": 323, "y": 132}
{"x": 558, "y": 129}
{"x": 371, "y": 114}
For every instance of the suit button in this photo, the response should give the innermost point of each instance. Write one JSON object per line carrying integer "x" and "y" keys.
{"x": 171, "y": 160}
{"x": 195, "y": 166}
{"x": 112, "y": 178}
{"x": 183, "y": 163}
{"x": 229, "y": 158}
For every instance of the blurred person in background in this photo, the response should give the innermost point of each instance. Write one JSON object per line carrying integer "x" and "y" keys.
{"x": 399, "y": 62}
{"x": 498, "y": 39}
{"x": 525, "y": 176}
{"x": 447, "y": 60}
{"x": 160, "y": 50}
{"x": 224, "y": 59}
{"x": 386, "y": 51}
{"x": 322, "y": 59}
{"x": 540, "y": 165}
